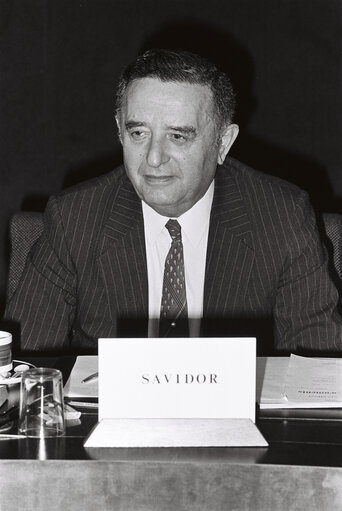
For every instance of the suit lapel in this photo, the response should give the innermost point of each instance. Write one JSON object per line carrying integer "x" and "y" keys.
{"x": 230, "y": 253}
{"x": 123, "y": 257}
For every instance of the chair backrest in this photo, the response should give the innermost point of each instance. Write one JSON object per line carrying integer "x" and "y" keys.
{"x": 26, "y": 227}
{"x": 333, "y": 229}
{"x": 24, "y": 230}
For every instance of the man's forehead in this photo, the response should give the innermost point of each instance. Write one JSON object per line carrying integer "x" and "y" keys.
{"x": 153, "y": 89}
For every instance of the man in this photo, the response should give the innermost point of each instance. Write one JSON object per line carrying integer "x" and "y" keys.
{"x": 244, "y": 246}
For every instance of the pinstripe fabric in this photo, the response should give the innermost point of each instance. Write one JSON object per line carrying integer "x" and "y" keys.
{"x": 265, "y": 261}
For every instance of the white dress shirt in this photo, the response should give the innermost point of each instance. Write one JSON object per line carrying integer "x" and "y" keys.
{"x": 195, "y": 228}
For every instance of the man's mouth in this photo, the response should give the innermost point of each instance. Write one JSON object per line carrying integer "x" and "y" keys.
{"x": 158, "y": 180}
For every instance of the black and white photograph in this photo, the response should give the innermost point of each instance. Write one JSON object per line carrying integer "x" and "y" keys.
{"x": 171, "y": 255}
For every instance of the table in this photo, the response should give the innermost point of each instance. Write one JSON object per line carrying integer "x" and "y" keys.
{"x": 301, "y": 469}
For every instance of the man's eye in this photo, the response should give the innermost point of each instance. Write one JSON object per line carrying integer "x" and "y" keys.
{"x": 178, "y": 138}
{"x": 137, "y": 134}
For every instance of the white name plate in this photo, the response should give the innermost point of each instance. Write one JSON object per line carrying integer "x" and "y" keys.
{"x": 206, "y": 378}
{"x": 175, "y": 433}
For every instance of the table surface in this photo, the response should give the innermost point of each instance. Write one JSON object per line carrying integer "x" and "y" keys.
{"x": 304, "y": 457}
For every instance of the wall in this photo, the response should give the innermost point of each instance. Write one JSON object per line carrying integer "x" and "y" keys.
{"x": 59, "y": 60}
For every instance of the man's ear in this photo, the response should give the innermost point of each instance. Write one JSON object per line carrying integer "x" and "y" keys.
{"x": 226, "y": 141}
{"x": 118, "y": 126}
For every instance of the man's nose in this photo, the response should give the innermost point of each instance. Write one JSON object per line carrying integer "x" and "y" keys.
{"x": 157, "y": 152}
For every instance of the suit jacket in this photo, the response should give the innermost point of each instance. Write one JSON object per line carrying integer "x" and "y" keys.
{"x": 265, "y": 265}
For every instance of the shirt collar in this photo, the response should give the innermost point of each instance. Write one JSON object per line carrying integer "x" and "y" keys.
{"x": 194, "y": 222}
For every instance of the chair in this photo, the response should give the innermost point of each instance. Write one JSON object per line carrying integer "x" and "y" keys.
{"x": 333, "y": 230}
{"x": 24, "y": 230}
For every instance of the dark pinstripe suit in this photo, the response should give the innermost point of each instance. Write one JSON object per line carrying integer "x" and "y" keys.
{"x": 88, "y": 271}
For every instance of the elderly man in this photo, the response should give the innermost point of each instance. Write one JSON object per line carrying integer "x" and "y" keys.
{"x": 182, "y": 239}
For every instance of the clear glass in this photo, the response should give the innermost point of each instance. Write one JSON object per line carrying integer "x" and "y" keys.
{"x": 41, "y": 411}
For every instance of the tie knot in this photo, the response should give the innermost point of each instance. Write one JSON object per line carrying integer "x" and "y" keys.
{"x": 174, "y": 229}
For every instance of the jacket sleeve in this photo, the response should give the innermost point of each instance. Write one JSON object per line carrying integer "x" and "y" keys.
{"x": 44, "y": 302}
{"x": 306, "y": 308}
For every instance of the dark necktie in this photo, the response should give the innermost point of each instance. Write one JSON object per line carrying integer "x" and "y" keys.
{"x": 174, "y": 310}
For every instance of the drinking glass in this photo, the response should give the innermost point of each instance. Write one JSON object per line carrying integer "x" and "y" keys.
{"x": 41, "y": 412}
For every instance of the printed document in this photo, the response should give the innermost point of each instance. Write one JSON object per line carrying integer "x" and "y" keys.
{"x": 299, "y": 382}
{"x": 314, "y": 380}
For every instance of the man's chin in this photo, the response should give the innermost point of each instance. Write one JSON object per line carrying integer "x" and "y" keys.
{"x": 162, "y": 194}
{"x": 162, "y": 205}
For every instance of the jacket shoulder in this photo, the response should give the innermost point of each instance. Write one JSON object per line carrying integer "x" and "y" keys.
{"x": 98, "y": 186}
{"x": 274, "y": 207}
{"x": 249, "y": 179}
{"x": 82, "y": 210}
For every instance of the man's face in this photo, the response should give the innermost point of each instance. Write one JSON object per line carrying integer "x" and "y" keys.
{"x": 170, "y": 143}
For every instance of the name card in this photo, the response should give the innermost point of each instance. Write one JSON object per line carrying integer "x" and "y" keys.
{"x": 195, "y": 378}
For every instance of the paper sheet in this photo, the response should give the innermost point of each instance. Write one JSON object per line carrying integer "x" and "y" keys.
{"x": 314, "y": 380}
{"x": 299, "y": 382}
{"x": 175, "y": 433}
{"x": 270, "y": 384}
{"x": 84, "y": 366}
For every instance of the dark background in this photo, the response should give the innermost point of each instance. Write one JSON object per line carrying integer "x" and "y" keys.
{"x": 59, "y": 61}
